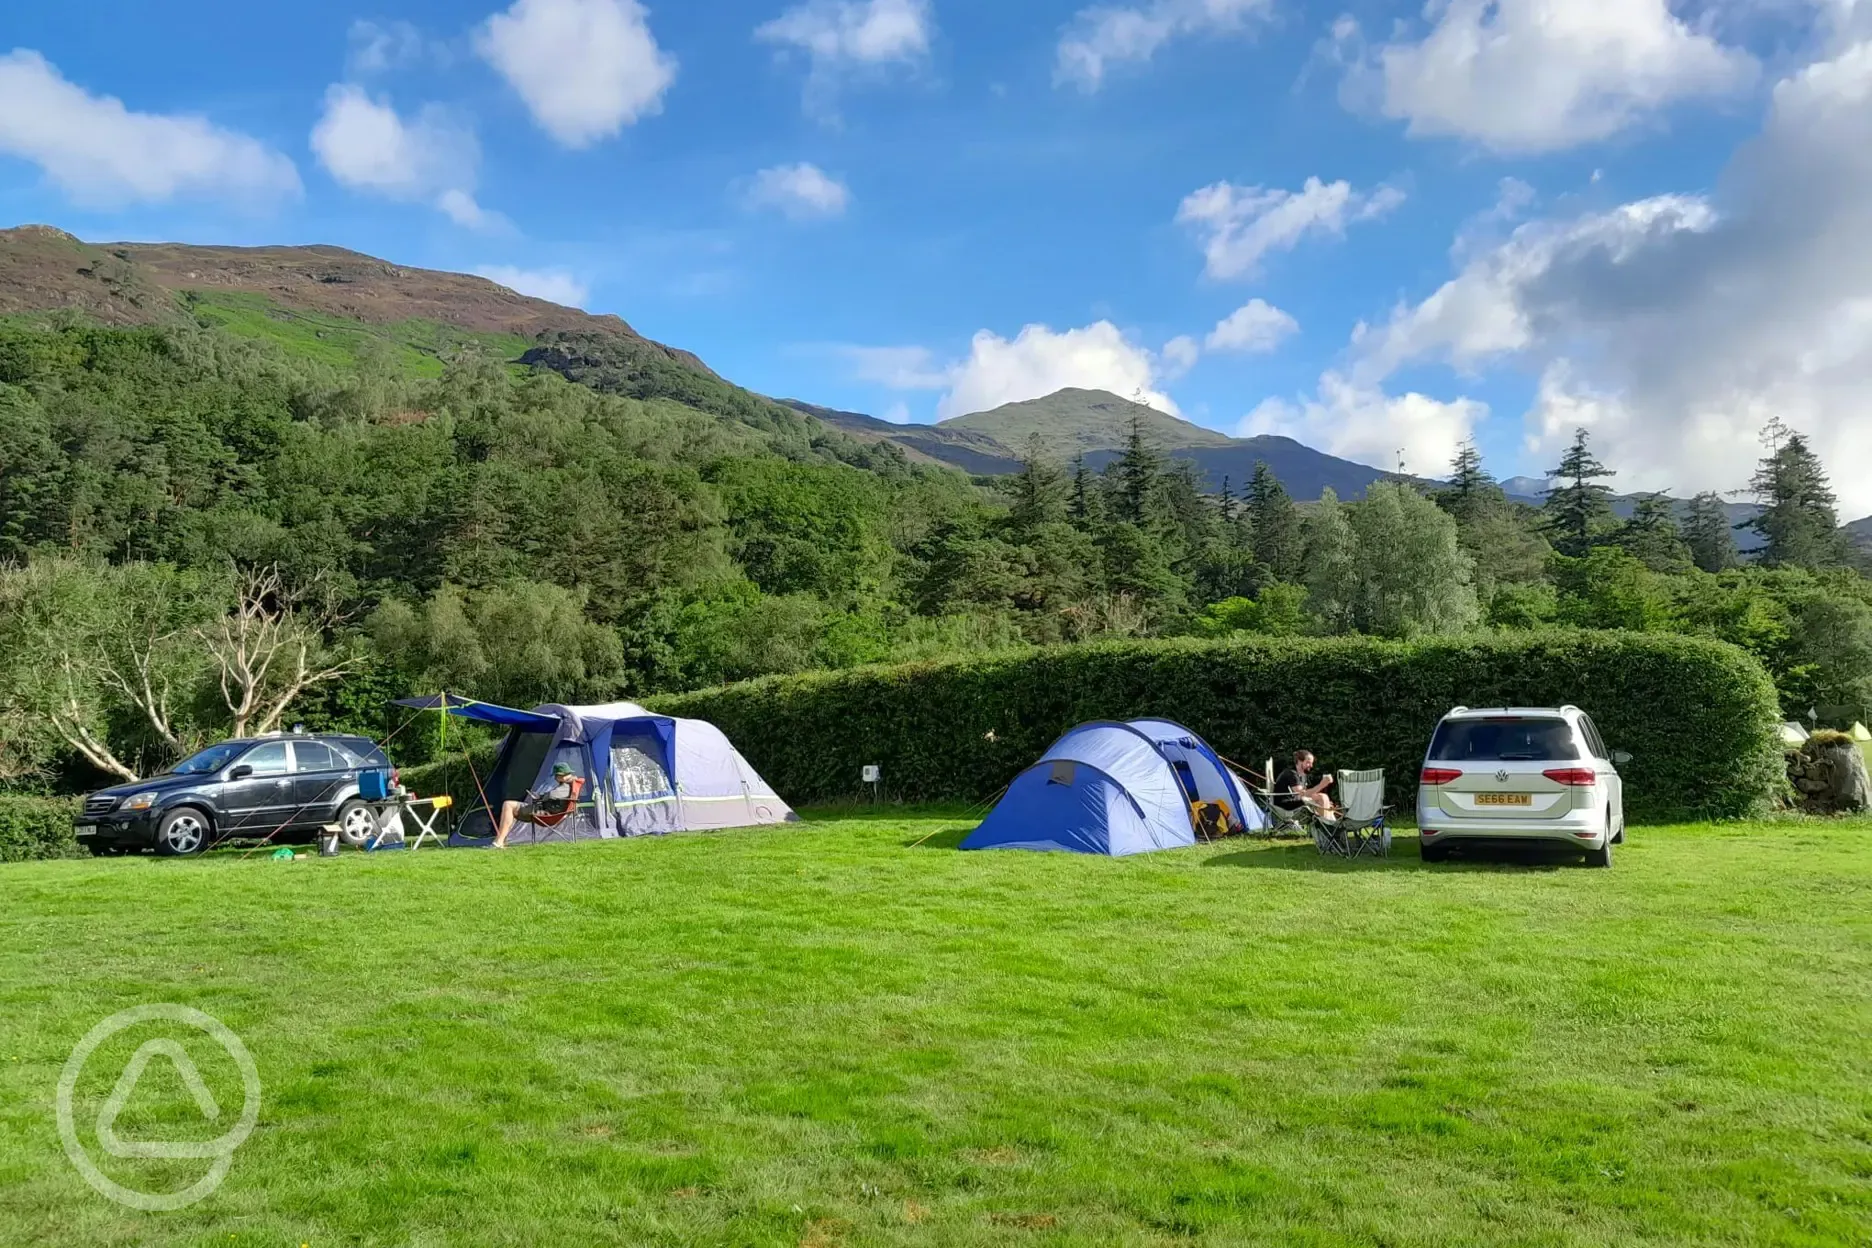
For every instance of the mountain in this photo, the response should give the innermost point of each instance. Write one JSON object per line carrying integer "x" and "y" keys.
{"x": 1074, "y": 422}
{"x": 1096, "y": 424}
{"x": 1860, "y": 531}
{"x": 973, "y": 452}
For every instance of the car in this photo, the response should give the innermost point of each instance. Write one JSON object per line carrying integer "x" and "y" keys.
{"x": 282, "y": 786}
{"x": 1521, "y": 774}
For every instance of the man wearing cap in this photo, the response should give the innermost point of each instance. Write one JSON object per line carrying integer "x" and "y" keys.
{"x": 553, "y": 801}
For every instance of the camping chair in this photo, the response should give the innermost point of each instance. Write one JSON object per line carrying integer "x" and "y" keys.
{"x": 551, "y": 822}
{"x": 1361, "y": 827}
{"x": 1284, "y": 821}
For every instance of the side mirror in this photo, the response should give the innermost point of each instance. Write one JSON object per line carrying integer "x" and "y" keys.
{"x": 241, "y": 772}
{"x": 1620, "y": 758}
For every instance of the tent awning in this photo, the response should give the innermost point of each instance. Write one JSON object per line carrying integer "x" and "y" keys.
{"x": 485, "y": 712}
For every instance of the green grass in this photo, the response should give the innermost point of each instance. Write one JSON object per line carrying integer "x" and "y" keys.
{"x": 823, "y": 1035}
{"x": 418, "y": 348}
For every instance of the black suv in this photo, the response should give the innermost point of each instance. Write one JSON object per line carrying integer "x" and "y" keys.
{"x": 278, "y": 787}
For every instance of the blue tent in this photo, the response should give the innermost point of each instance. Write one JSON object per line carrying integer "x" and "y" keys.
{"x": 644, "y": 774}
{"x": 1111, "y": 788}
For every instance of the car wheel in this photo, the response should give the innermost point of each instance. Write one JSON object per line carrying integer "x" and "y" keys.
{"x": 1620, "y": 838}
{"x": 1600, "y": 857}
{"x": 357, "y": 823}
{"x": 1432, "y": 853}
{"x": 183, "y": 833}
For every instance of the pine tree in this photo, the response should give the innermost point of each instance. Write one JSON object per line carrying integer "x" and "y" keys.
{"x": 1080, "y": 508}
{"x": 1138, "y": 470}
{"x": 1799, "y": 520}
{"x": 1225, "y": 502}
{"x": 1580, "y": 508}
{"x": 1653, "y": 537}
{"x": 1709, "y": 534}
{"x": 1279, "y": 545}
{"x": 1039, "y": 490}
{"x": 1471, "y": 488}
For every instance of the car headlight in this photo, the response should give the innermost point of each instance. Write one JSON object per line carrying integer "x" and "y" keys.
{"x": 142, "y": 801}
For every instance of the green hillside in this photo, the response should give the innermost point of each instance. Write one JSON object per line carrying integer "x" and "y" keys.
{"x": 413, "y": 348}
{"x": 1074, "y": 422}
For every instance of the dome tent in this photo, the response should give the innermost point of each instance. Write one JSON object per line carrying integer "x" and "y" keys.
{"x": 1115, "y": 789}
{"x": 645, "y": 774}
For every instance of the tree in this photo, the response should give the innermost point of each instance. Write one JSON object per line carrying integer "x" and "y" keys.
{"x": 271, "y": 648}
{"x": 1710, "y": 535}
{"x": 1415, "y": 578}
{"x": 1138, "y": 470}
{"x": 1278, "y": 543}
{"x": 1652, "y": 537}
{"x": 1332, "y": 565}
{"x": 1039, "y": 491}
{"x": 1799, "y": 519}
{"x": 521, "y": 644}
{"x": 1471, "y": 490}
{"x": 1079, "y": 510}
{"x": 1579, "y": 509}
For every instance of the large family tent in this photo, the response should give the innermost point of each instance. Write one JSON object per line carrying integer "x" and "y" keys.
{"x": 644, "y": 774}
{"x": 1111, "y": 788}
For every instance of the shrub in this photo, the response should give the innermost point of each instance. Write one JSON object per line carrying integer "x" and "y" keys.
{"x": 456, "y": 776}
{"x": 36, "y": 827}
{"x": 1697, "y": 715}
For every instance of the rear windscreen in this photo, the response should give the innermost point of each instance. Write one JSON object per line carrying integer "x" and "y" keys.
{"x": 1502, "y": 740}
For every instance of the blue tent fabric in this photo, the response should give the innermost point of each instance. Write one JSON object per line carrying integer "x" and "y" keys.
{"x": 1114, "y": 789}
{"x": 485, "y": 712}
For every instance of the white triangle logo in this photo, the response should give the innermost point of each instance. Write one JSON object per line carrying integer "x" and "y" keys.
{"x": 120, "y": 1095}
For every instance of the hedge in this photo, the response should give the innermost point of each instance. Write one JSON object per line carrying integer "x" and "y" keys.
{"x": 452, "y": 776}
{"x": 37, "y": 827}
{"x": 1698, "y": 716}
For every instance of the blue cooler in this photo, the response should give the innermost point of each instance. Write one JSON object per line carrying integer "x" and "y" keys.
{"x": 374, "y": 785}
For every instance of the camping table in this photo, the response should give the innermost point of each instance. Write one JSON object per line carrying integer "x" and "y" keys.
{"x": 402, "y": 803}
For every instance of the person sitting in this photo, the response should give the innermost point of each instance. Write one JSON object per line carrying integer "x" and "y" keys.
{"x": 544, "y": 808}
{"x": 1295, "y": 789}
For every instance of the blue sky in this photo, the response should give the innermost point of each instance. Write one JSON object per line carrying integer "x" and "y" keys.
{"x": 1543, "y": 213}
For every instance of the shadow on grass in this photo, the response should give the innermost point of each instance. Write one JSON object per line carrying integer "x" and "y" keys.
{"x": 1404, "y": 857}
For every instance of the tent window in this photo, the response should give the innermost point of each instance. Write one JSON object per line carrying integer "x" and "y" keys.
{"x": 1064, "y": 771}
{"x": 635, "y": 775}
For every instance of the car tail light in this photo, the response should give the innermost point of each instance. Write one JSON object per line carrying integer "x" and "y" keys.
{"x": 1427, "y": 833}
{"x": 1573, "y": 776}
{"x": 1440, "y": 775}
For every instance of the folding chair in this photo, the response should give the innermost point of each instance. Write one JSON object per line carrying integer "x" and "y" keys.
{"x": 1361, "y": 828}
{"x": 1284, "y": 821}
{"x": 546, "y": 827}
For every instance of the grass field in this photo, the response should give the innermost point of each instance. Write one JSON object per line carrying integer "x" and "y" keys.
{"x": 417, "y": 348}
{"x": 822, "y": 1035}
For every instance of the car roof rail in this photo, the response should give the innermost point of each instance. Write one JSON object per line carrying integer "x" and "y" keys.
{"x": 1570, "y": 707}
{"x": 1457, "y": 710}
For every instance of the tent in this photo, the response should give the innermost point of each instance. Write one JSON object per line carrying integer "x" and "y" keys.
{"x": 1792, "y": 733}
{"x": 1859, "y": 733}
{"x": 645, "y": 774}
{"x": 1112, "y": 788}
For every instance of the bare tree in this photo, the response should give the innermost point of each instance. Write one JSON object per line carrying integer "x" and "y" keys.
{"x": 68, "y": 718}
{"x": 270, "y": 649}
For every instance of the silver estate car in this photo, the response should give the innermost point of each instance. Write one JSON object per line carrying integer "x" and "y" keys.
{"x": 1521, "y": 774}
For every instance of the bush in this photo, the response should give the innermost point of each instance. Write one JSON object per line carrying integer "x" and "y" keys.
{"x": 36, "y": 827}
{"x": 1697, "y": 715}
{"x": 455, "y": 776}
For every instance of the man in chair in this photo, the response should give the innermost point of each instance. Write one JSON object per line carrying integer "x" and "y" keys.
{"x": 1295, "y": 790}
{"x": 543, "y": 808}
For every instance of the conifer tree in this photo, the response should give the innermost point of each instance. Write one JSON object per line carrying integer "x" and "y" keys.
{"x": 1279, "y": 545}
{"x": 1652, "y": 536}
{"x": 1039, "y": 490}
{"x": 1710, "y": 535}
{"x": 1799, "y": 520}
{"x": 1579, "y": 509}
{"x": 1471, "y": 489}
{"x": 1138, "y": 470}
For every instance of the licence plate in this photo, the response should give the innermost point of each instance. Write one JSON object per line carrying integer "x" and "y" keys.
{"x": 1504, "y": 799}
{"x": 85, "y": 830}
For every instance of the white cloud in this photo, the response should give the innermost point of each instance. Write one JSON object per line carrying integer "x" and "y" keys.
{"x": 803, "y": 192}
{"x": 1676, "y": 326}
{"x": 1541, "y": 75}
{"x": 366, "y": 145}
{"x": 552, "y": 285}
{"x": 841, "y": 38}
{"x": 1179, "y": 356}
{"x": 1240, "y": 225}
{"x": 1035, "y": 363}
{"x": 1255, "y": 327}
{"x": 1104, "y": 34}
{"x": 377, "y": 47}
{"x": 585, "y": 68}
{"x": 1363, "y": 423}
{"x": 898, "y": 414}
{"x": 102, "y": 154}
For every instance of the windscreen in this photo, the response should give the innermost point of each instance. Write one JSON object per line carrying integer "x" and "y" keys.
{"x": 212, "y": 759}
{"x": 1508, "y": 739}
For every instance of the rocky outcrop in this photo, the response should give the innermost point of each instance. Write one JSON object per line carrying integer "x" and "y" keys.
{"x": 1829, "y": 775}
